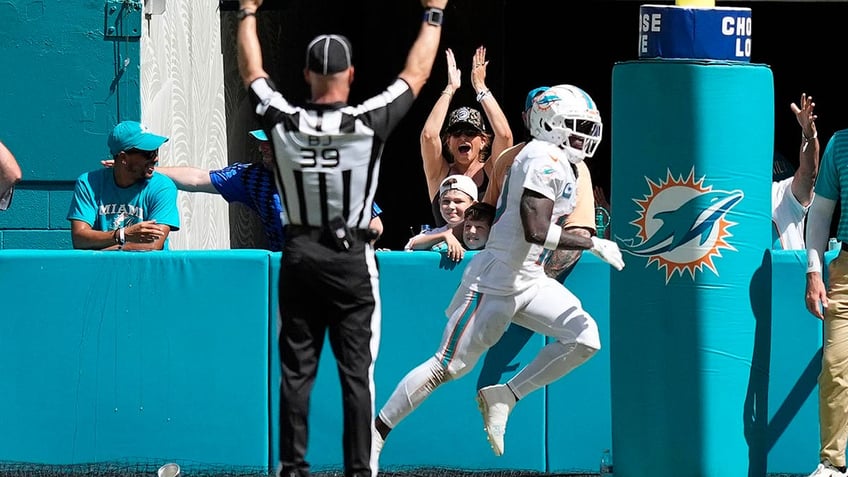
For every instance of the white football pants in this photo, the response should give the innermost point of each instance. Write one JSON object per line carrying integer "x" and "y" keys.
{"x": 477, "y": 321}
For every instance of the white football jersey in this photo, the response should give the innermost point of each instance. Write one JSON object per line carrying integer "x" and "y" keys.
{"x": 509, "y": 263}
{"x": 787, "y": 216}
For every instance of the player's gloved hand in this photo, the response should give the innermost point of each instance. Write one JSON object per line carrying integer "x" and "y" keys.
{"x": 608, "y": 251}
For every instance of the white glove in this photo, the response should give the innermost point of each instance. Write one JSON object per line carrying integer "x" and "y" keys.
{"x": 608, "y": 251}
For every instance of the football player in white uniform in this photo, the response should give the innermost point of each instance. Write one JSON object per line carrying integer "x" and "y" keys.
{"x": 506, "y": 281}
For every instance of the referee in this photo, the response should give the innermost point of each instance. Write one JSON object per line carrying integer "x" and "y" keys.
{"x": 327, "y": 160}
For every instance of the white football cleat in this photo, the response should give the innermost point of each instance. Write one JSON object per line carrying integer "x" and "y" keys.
{"x": 495, "y": 403}
{"x": 826, "y": 469}
{"x": 377, "y": 442}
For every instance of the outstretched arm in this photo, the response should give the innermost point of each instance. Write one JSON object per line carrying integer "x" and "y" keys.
{"x": 419, "y": 61}
{"x": 435, "y": 167}
{"x": 249, "y": 50}
{"x": 500, "y": 126}
{"x": 808, "y": 163}
{"x": 189, "y": 179}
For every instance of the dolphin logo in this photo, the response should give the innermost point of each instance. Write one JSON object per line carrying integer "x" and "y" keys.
{"x": 696, "y": 217}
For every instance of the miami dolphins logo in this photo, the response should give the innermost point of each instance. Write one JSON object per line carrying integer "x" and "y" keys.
{"x": 682, "y": 225}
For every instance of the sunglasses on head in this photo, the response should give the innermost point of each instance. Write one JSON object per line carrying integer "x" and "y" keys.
{"x": 149, "y": 155}
{"x": 465, "y": 132}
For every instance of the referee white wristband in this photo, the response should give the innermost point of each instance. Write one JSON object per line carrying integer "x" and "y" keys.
{"x": 554, "y": 234}
{"x": 813, "y": 261}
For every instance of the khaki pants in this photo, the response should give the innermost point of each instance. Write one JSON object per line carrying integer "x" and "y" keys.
{"x": 833, "y": 380}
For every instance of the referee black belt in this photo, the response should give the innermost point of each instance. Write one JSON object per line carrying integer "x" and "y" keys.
{"x": 292, "y": 230}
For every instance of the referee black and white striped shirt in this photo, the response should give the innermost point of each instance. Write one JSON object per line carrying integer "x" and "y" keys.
{"x": 328, "y": 155}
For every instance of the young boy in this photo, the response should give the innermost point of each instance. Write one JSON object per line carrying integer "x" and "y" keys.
{"x": 456, "y": 194}
{"x": 478, "y": 222}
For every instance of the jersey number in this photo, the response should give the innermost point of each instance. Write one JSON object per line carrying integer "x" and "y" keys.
{"x": 310, "y": 157}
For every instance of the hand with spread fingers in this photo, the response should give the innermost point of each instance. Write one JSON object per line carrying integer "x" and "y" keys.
{"x": 805, "y": 115}
{"x": 478, "y": 70}
{"x": 454, "y": 74}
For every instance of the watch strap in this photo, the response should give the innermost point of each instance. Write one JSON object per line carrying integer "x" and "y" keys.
{"x": 244, "y": 13}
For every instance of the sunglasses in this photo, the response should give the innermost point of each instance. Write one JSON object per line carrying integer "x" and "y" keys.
{"x": 149, "y": 155}
{"x": 464, "y": 132}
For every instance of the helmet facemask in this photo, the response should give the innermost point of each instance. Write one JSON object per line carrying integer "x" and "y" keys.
{"x": 584, "y": 135}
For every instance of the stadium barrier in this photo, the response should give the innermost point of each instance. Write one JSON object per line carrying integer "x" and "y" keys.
{"x": 171, "y": 357}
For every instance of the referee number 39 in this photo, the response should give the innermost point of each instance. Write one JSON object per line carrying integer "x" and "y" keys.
{"x": 324, "y": 157}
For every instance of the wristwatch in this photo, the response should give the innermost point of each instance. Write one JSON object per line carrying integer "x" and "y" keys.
{"x": 434, "y": 16}
{"x": 121, "y": 238}
{"x": 244, "y": 13}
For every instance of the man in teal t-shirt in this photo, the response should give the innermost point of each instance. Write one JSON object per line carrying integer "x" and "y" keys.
{"x": 128, "y": 206}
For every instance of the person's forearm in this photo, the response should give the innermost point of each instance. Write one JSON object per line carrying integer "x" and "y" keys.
{"x": 91, "y": 239}
{"x": 436, "y": 119}
{"x": 500, "y": 126}
{"x": 249, "y": 51}
{"x": 419, "y": 61}
{"x": 10, "y": 171}
{"x": 426, "y": 241}
{"x": 189, "y": 179}
{"x": 808, "y": 167}
{"x": 560, "y": 261}
{"x": 817, "y": 230}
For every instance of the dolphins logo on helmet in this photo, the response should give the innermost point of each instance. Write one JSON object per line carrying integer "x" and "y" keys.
{"x": 566, "y": 116}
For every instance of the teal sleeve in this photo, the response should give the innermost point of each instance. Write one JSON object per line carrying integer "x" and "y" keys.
{"x": 163, "y": 202}
{"x": 826, "y": 182}
{"x": 82, "y": 206}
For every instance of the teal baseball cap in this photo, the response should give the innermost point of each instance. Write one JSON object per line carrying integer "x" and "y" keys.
{"x": 259, "y": 134}
{"x": 128, "y": 135}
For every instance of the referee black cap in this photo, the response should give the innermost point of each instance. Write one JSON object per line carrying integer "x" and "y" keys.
{"x": 328, "y": 54}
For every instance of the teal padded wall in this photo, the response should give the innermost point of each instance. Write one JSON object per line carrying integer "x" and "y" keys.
{"x": 172, "y": 356}
{"x": 153, "y": 356}
{"x": 793, "y": 342}
{"x": 691, "y": 160}
{"x": 578, "y": 405}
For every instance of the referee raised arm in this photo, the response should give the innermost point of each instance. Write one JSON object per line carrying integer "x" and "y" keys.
{"x": 327, "y": 159}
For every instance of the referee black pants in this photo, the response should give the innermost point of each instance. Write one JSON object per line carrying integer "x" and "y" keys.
{"x": 324, "y": 291}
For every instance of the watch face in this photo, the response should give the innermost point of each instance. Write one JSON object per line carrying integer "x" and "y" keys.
{"x": 434, "y": 17}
